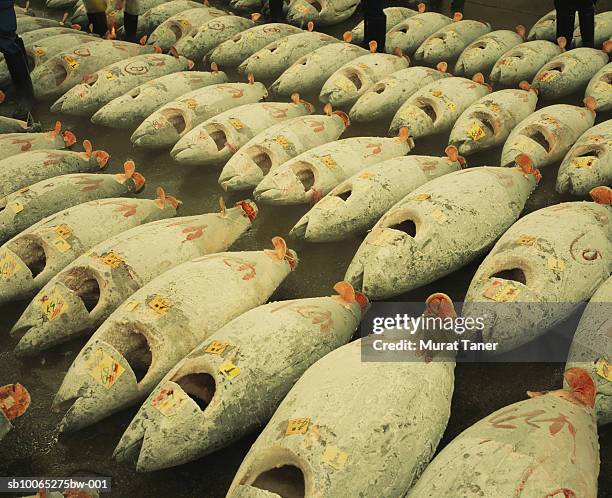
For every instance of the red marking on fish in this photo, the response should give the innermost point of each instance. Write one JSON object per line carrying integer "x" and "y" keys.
{"x": 375, "y": 148}
{"x": 194, "y": 232}
{"x": 317, "y": 125}
{"x": 236, "y": 93}
{"x": 567, "y": 493}
{"x": 275, "y": 111}
{"x": 89, "y": 182}
{"x": 25, "y": 144}
{"x": 241, "y": 265}
{"x": 127, "y": 208}
{"x": 119, "y": 46}
{"x": 319, "y": 316}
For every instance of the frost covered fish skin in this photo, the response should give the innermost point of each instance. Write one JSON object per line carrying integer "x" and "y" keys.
{"x": 384, "y": 98}
{"x": 173, "y": 29}
{"x": 24, "y": 169}
{"x": 537, "y": 275}
{"x": 409, "y": 34}
{"x": 129, "y": 110}
{"x": 271, "y": 345}
{"x": 151, "y": 19}
{"x": 548, "y": 445}
{"x": 309, "y": 73}
{"x": 233, "y": 52}
{"x": 570, "y": 71}
{"x": 114, "y": 80}
{"x": 588, "y": 164}
{"x": 352, "y": 80}
{"x": 356, "y": 204}
{"x": 325, "y": 13}
{"x": 176, "y": 312}
{"x": 277, "y": 145}
{"x": 438, "y": 228}
{"x": 38, "y": 253}
{"x": 591, "y": 349}
{"x": 312, "y": 174}
{"x": 219, "y": 138}
{"x": 29, "y": 205}
{"x": 488, "y": 122}
{"x": 12, "y": 125}
{"x": 523, "y": 62}
{"x": 62, "y": 72}
{"x": 200, "y": 42}
{"x": 321, "y": 433}
{"x": 546, "y": 27}
{"x": 166, "y": 126}
{"x": 276, "y": 57}
{"x": 448, "y": 42}
{"x": 12, "y": 144}
{"x": 547, "y": 135}
{"x": 600, "y": 88}
{"x": 481, "y": 55}
{"x": 98, "y": 282}
{"x": 436, "y": 107}
{"x": 603, "y": 30}
{"x": 394, "y": 16}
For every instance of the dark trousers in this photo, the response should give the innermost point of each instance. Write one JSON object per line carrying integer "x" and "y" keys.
{"x": 566, "y": 17}
{"x": 8, "y": 29}
{"x": 276, "y": 10}
{"x": 436, "y": 5}
{"x": 375, "y": 23}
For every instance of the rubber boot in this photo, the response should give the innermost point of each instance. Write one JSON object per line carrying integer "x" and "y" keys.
{"x": 276, "y": 10}
{"x": 375, "y": 30}
{"x": 98, "y": 22}
{"x": 24, "y": 92}
{"x": 130, "y": 26}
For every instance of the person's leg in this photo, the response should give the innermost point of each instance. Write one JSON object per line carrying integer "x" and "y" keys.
{"x": 566, "y": 17}
{"x": 457, "y": 6}
{"x": 16, "y": 62}
{"x": 276, "y": 10}
{"x": 375, "y": 23}
{"x": 433, "y": 5}
{"x": 130, "y": 20}
{"x": 96, "y": 13}
{"x": 586, "y": 13}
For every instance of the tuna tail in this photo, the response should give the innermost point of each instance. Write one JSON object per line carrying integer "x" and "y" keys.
{"x": 404, "y": 136}
{"x": 249, "y": 208}
{"x": 457, "y": 16}
{"x": 453, "y": 156}
{"x": 582, "y": 390}
{"x": 69, "y": 138}
{"x": 129, "y": 169}
{"x": 87, "y": 148}
{"x": 525, "y": 164}
{"x": 255, "y": 16}
{"x": 222, "y": 207}
{"x": 251, "y": 79}
{"x": 521, "y": 31}
{"x": 347, "y": 36}
{"x": 347, "y": 294}
{"x": 101, "y": 157}
{"x": 281, "y": 252}
{"x": 163, "y": 199}
{"x": 76, "y": 26}
{"x": 14, "y": 400}
{"x": 524, "y": 85}
{"x": 590, "y": 103}
{"x": 57, "y": 129}
{"x": 442, "y": 67}
{"x": 214, "y": 68}
{"x": 310, "y": 26}
{"x": 143, "y": 40}
{"x": 562, "y": 42}
{"x": 440, "y": 305}
{"x": 607, "y": 46}
{"x": 479, "y": 78}
{"x": 602, "y": 195}
{"x": 398, "y": 52}
{"x": 64, "y": 17}
{"x": 422, "y": 8}
{"x": 2, "y": 96}
{"x": 295, "y": 98}
{"x": 373, "y": 45}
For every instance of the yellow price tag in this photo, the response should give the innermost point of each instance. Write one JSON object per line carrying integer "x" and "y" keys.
{"x": 582, "y": 162}
{"x": 191, "y": 104}
{"x": 63, "y": 230}
{"x": 555, "y": 264}
{"x": 72, "y": 63}
{"x": 61, "y": 245}
{"x": 297, "y": 426}
{"x": 526, "y": 240}
{"x": 16, "y": 207}
{"x": 168, "y": 401}
{"x": 8, "y": 265}
{"x": 229, "y": 370}
{"x": 53, "y": 304}
{"x": 160, "y": 305}
{"x": 502, "y": 292}
{"x": 282, "y": 141}
{"x": 109, "y": 75}
{"x": 328, "y": 161}
{"x": 105, "y": 369}
{"x": 476, "y": 132}
{"x": 335, "y": 458}
{"x": 131, "y": 305}
{"x": 548, "y": 76}
{"x": 439, "y": 216}
{"x": 216, "y": 347}
{"x": 422, "y": 197}
{"x": 236, "y": 123}
{"x": 111, "y": 259}
{"x": 603, "y": 369}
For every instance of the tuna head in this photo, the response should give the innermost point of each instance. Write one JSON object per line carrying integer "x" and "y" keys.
{"x": 165, "y": 127}
{"x": 301, "y": 12}
{"x": 208, "y": 143}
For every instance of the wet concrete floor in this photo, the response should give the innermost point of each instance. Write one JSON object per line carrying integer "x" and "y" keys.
{"x": 34, "y": 448}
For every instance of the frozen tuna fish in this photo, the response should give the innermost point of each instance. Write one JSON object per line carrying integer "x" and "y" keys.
{"x": 37, "y": 254}
{"x": 95, "y": 284}
{"x": 22, "y": 170}
{"x": 218, "y": 138}
{"x": 37, "y": 35}
{"x": 310, "y": 72}
{"x": 356, "y": 204}
{"x": 114, "y": 80}
{"x": 481, "y": 55}
{"x": 548, "y": 446}
{"x": 409, "y": 34}
{"x": 172, "y": 30}
{"x": 523, "y": 62}
{"x": 269, "y": 348}
{"x": 172, "y": 121}
{"x": 570, "y": 72}
{"x": 436, "y": 107}
{"x": 14, "y": 402}
{"x": 546, "y": 28}
{"x": 394, "y": 16}
{"x": 67, "y": 69}
{"x": 234, "y": 51}
{"x": 12, "y": 144}
{"x": 246, "y": 5}
{"x": 12, "y": 125}
{"x": 439, "y": 228}
{"x": 352, "y": 80}
{"x": 60, "y": 4}
{"x": 449, "y": 41}
{"x": 312, "y": 174}
{"x": 155, "y": 16}
{"x": 321, "y": 438}
{"x": 322, "y": 12}
{"x": 541, "y": 274}
{"x": 383, "y": 99}
{"x": 591, "y": 349}
{"x": 131, "y": 109}
{"x": 600, "y": 88}
{"x": 198, "y": 43}
{"x": 31, "y": 204}
{"x": 160, "y": 323}
{"x": 588, "y": 164}
{"x": 603, "y": 29}
{"x": 487, "y": 123}
{"x": 29, "y": 23}
{"x": 277, "y": 145}
{"x": 276, "y": 57}
{"x": 547, "y": 135}
{"x": 42, "y": 50}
